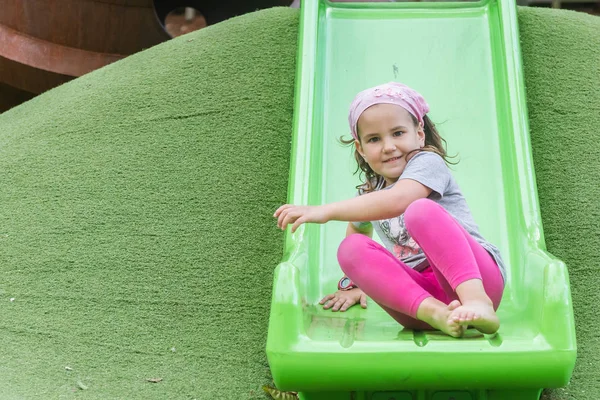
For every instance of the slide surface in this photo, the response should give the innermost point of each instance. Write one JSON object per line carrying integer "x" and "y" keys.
{"x": 464, "y": 58}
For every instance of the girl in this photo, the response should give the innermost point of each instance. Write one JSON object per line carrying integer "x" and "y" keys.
{"x": 438, "y": 271}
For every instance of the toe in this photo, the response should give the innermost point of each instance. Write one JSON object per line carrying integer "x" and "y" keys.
{"x": 458, "y": 331}
{"x": 454, "y": 305}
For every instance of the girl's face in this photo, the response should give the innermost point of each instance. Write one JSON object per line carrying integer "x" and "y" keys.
{"x": 387, "y": 134}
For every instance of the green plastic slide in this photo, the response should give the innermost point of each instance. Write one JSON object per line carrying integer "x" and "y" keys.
{"x": 464, "y": 57}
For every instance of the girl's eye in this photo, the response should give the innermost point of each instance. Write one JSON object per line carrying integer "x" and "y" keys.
{"x": 373, "y": 140}
{"x": 398, "y": 133}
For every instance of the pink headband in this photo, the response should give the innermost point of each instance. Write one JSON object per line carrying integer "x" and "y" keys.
{"x": 389, "y": 93}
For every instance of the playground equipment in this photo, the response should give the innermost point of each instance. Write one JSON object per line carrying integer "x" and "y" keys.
{"x": 464, "y": 57}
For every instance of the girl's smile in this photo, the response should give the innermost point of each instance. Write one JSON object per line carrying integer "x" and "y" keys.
{"x": 392, "y": 159}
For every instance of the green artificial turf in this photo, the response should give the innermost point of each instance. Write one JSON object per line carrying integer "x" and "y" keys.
{"x": 136, "y": 238}
{"x": 136, "y": 229}
{"x": 561, "y": 56}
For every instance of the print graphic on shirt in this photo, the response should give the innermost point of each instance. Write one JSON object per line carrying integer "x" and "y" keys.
{"x": 395, "y": 230}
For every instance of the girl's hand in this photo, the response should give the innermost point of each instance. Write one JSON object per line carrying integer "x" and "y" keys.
{"x": 344, "y": 299}
{"x": 298, "y": 215}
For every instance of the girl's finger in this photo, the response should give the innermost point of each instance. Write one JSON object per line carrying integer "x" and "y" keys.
{"x": 326, "y": 298}
{"x": 298, "y": 222}
{"x": 328, "y": 304}
{"x": 338, "y": 304}
{"x": 290, "y": 218}
{"x": 349, "y": 303}
{"x": 285, "y": 215}
{"x": 281, "y": 217}
{"x": 363, "y": 300}
{"x": 280, "y": 209}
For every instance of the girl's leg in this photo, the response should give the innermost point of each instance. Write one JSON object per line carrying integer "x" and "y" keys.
{"x": 399, "y": 289}
{"x": 464, "y": 268}
{"x": 414, "y": 323}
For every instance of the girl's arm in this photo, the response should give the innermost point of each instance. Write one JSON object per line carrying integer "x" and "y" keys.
{"x": 368, "y": 207}
{"x": 382, "y": 204}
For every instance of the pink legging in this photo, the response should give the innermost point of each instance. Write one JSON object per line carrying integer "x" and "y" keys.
{"x": 454, "y": 257}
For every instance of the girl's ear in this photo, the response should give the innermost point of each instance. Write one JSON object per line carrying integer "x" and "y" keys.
{"x": 421, "y": 134}
{"x": 359, "y": 148}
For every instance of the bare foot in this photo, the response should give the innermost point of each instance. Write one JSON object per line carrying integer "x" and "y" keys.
{"x": 439, "y": 318}
{"x": 480, "y": 315}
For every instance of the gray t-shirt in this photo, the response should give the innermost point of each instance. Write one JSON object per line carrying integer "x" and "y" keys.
{"x": 430, "y": 170}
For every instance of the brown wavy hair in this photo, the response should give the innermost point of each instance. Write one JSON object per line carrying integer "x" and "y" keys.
{"x": 434, "y": 143}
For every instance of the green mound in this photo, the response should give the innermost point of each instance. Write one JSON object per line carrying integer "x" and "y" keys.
{"x": 136, "y": 238}
{"x": 561, "y": 56}
{"x": 136, "y": 235}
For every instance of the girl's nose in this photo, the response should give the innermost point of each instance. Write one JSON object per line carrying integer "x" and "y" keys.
{"x": 388, "y": 145}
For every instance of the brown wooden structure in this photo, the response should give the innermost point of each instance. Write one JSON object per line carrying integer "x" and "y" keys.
{"x": 44, "y": 43}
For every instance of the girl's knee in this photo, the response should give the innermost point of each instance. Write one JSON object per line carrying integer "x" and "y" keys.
{"x": 351, "y": 249}
{"x": 351, "y": 246}
{"x": 419, "y": 211}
